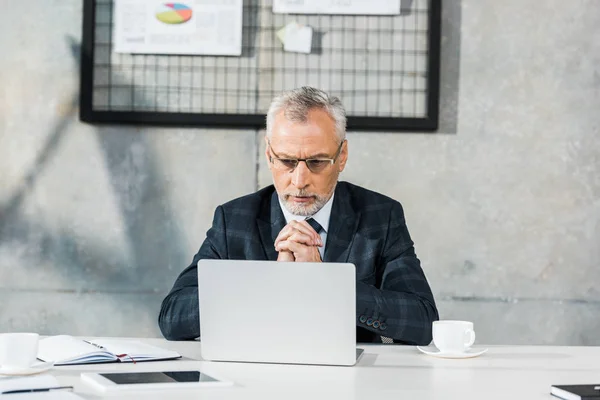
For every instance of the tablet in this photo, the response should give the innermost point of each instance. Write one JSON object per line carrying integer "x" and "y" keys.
{"x": 111, "y": 381}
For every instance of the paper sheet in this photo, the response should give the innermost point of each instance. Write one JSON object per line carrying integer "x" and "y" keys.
{"x": 191, "y": 27}
{"x": 298, "y": 38}
{"x": 356, "y": 7}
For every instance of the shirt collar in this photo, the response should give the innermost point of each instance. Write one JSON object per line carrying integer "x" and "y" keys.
{"x": 321, "y": 216}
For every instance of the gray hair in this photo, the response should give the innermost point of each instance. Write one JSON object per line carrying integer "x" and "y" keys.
{"x": 297, "y": 103}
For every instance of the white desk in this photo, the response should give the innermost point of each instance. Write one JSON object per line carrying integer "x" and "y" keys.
{"x": 383, "y": 372}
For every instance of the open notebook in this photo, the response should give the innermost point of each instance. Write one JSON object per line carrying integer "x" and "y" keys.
{"x": 67, "y": 350}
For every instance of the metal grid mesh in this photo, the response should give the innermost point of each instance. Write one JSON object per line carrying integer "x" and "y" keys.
{"x": 377, "y": 65}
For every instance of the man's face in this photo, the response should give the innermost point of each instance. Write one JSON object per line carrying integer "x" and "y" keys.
{"x": 302, "y": 191}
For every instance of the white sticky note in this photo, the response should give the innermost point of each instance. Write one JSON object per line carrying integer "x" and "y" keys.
{"x": 298, "y": 38}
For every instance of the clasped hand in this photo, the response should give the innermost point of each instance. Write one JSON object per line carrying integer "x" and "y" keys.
{"x": 298, "y": 241}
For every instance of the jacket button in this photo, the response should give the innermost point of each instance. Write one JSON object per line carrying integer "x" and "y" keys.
{"x": 376, "y": 324}
{"x": 369, "y": 321}
{"x": 362, "y": 319}
{"x": 383, "y": 326}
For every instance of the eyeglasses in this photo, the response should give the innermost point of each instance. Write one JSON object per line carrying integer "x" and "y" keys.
{"x": 315, "y": 165}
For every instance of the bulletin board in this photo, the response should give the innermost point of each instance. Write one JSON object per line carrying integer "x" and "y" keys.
{"x": 385, "y": 69}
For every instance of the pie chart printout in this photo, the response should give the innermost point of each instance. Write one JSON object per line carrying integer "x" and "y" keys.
{"x": 178, "y": 27}
{"x": 173, "y": 13}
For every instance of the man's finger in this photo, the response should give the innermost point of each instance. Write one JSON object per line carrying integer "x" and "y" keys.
{"x": 306, "y": 227}
{"x": 299, "y": 227}
{"x": 303, "y": 238}
{"x": 288, "y": 245}
{"x": 285, "y": 256}
{"x": 302, "y": 253}
{"x": 284, "y": 234}
{"x": 308, "y": 254}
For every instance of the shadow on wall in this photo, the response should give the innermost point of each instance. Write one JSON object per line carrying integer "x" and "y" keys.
{"x": 251, "y": 19}
{"x": 406, "y": 7}
{"x": 154, "y": 240}
{"x": 450, "y": 66}
{"x": 47, "y": 151}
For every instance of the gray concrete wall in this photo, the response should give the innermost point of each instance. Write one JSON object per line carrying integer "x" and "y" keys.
{"x": 503, "y": 203}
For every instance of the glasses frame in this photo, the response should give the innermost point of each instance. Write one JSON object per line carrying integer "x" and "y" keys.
{"x": 297, "y": 160}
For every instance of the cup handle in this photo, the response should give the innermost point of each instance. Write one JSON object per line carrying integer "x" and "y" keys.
{"x": 471, "y": 334}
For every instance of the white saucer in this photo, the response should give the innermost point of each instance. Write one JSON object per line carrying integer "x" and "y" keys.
{"x": 36, "y": 368}
{"x": 434, "y": 351}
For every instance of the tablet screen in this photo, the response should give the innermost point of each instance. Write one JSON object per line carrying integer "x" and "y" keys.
{"x": 158, "y": 377}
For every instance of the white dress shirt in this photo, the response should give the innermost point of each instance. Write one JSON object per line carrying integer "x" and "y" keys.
{"x": 322, "y": 217}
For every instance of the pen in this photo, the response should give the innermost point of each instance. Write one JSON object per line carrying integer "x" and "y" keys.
{"x": 37, "y": 390}
{"x": 94, "y": 344}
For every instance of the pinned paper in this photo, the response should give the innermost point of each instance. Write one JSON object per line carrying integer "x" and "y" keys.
{"x": 281, "y": 33}
{"x": 296, "y": 38}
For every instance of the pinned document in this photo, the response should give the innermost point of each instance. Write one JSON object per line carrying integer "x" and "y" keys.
{"x": 333, "y": 7}
{"x": 196, "y": 27}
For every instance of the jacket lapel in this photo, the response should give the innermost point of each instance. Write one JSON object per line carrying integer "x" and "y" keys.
{"x": 270, "y": 223}
{"x": 343, "y": 224}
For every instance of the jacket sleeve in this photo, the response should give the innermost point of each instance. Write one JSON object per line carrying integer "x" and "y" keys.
{"x": 179, "y": 317}
{"x": 401, "y": 305}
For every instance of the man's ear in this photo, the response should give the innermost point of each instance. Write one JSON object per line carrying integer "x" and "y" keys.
{"x": 344, "y": 155}
{"x": 267, "y": 154}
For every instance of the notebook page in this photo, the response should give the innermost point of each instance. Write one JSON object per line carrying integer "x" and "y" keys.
{"x": 65, "y": 349}
{"x": 136, "y": 350}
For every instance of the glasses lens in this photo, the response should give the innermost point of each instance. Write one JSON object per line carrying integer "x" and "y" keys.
{"x": 317, "y": 165}
{"x": 285, "y": 164}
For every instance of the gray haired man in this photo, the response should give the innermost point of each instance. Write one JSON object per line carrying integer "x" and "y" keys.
{"x": 308, "y": 216}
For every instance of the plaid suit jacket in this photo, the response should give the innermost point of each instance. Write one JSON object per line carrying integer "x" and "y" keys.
{"x": 366, "y": 229}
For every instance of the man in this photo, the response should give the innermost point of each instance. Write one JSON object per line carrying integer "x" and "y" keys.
{"x": 308, "y": 216}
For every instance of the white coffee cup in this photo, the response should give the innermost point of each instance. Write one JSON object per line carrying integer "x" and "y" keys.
{"x": 18, "y": 350}
{"x": 453, "y": 336}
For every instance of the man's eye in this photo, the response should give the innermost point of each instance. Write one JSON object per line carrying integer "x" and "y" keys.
{"x": 288, "y": 163}
{"x": 318, "y": 163}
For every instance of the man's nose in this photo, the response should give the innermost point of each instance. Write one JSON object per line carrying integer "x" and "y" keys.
{"x": 301, "y": 175}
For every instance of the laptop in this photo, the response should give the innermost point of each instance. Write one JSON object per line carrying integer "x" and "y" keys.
{"x": 278, "y": 312}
